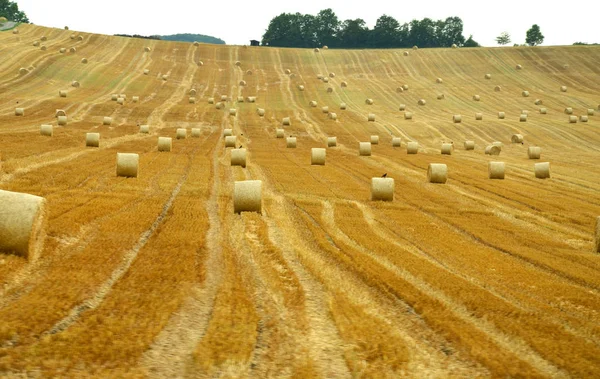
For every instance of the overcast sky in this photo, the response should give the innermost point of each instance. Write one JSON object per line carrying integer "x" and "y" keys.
{"x": 237, "y": 21}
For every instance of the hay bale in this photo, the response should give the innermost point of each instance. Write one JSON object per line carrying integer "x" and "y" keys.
{"x": 439, "y": 80}
{"x": 36, "y": 43}
{"x": 23, "y": 71}
{"x": 114, "y": 97}
{"x": 422, "y": 102}
{"x": 92, "y": 139}
{"x": 72, "y": 50}
{"x": 46, "y": 130}
{"x": 200, "y": 63}
{"x": 364, "y": 149}
{"x": 288, "y": 71}
{"x": 374, "y": 140}
{"x": 405, "y": 87}
{"x": 15, "y": 31}
{"x": 333, "y": 116}
{"x": 325, "y": 109}
{"x": 454, "y": 46}
{"x": 219, "y": 105}
{"x": 144, "y": 129}
{"x": 488, "y": 76}
{"x": 332, "y": 75}
{"x": 107, "y": 121}
{"x": 331, "y": 141}
{"x": 80, "y": 38}
{"x": 396, "y": 141}
{"x": 441, "y": 96}
{"x": 476, "y": 97}
{"x": 412, "y": 147}
{"x": 325, "y": 79}
{"x": 192, "y": 92}
{"x": 590, "y": 111}
{"x": 291, "y": 142}
{"x": 371, "y": 117}
{"x": 399, "y": 89}
{"x": 195, "y": 132}
{"x": 261, "y": 112}
{"x": 247, "y": 196}
{"x": 534, "y": 152}
{"x": 313, "y": 104}
{"x": 329, "y": 90}
{"x": 232, "y": 112}
{"x": 279, "y": 133}
{"x": 492, "y": 150}
{"x": 478, "y": 116}
{"x": 120, "y": 101}
{"x": 317, "y": 156}
{"x": 238, "y": 63}
{"x": 369, "y": 101}
{"x": 496, "y": 170}
{"x": 542, "y": 170}
{"x": 251, "y": 99}
{"x": 415, "y": 47}
{"x": 447, "y": 149}
{"x": 497, "y": 143}
{"x": 523, "y": 117}
{"x": 457, "y": 118}
{"x": 230, "y": 141}
{"x": 538, "y": 102}
{"x": 135, "y": 99}
{"x": 84, "y": 60}
{"x": 181, "y": 133}
{"x": 75, "y": 84}
{"x": 165, "y": 77}
{"x": 519, "y": 67}
{"x": 242, "y": 83}
{"x": 146, "y": 72}
{"x": 196, "y": 43}
{"x": 569, "y": 110}
{"x": 344, "y": 84}
{"x": 240, "y": 99}
{"x": 286, "y": 121}
{"x": 516, "y": 138}
{"x": 22, "y": 224}
{"x": 501, "y": 115}
{"x": 301, "y": 87}
{"x": 469, "y": 145}
{"x": 60, "y": 112}
{"x": 62, "y": 50}
{"x": 583, "y": 118}
{"x": 320, "y": 76}
{"x": 128, "y": 165}
{"x": 408, "y": 115}
{"x": 437, "y": 173}
{"x": 573, "y": 119}
{"x": 525, "y": 93}
{"x": 72, "y": 36}
{"x": 316, "y": 50}
{"x": 19, "y": 111}
{"x": 211, "y": 100}
{"x": 147, "y": 49}
{"x": 61, "y": 120}
{"x": 62, "y": 93}
{"x": 238, "y": 157}
{"x": 227, "y": 132}
{"x": 543, "y": 111}
{"x": 497, "y": 88}
{"x": 402, "y": 107}
{"x": 406, "y": 53}
{"x": 343, "y": 106}
{"x": 563, "y": 89}
{"x": 382, "y": 189}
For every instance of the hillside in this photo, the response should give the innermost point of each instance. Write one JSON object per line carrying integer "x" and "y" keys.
{"x": 157, "y": 276}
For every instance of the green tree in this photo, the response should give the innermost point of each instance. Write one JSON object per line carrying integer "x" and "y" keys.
{"x": 326, "y": 27}
{"x": 470, "y": 42}
{"x": 423, "y": 33}
{"x": 386, "y": 33}
{"x": 291, "y": 30}
{"x": 353, "y": 34}
{"x": 534, "y": 36}
{"x": 503, "y": 38}
{"x": 10, "y": 10}
{"x": 449, "y": 32}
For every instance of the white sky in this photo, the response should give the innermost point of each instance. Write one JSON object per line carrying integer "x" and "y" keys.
{"x": 238, "y": 21}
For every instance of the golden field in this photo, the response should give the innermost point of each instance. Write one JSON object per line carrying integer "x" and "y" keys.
{"x": 156, "y": 276}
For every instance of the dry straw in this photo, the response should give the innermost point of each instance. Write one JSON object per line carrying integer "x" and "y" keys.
{"x": 301, "y": 87}
{"x": 343, "y": 106}
{"x": 542, "y": 170}
{"x": 135, "y": 99}
{"x": 534, "y": 152}
{"x": 19, "y": 111}
{"x": 331, "y": 141}
{"x": 344, "y": 84}
{"x": 382, "y": 189}
{"x": 375, "y": 140}
{"x": 523, "y": 117}
{"x": 371, "y": 117}
{"x": 488, "y": 76}
{"x": 92, "y": 139}
{"x": 396, "y": 141}
{"x": 286, "y": 121}
{"x": 422, "y": 102}
{"x": 525, "y": 93}
{"x": 128, "y": 164}
{"x": 447, "y": 149}
{"x": 261, "y": 112}
{"x": 22, "y": 224}
{"x": 437, "y": 173}
{"x": 195, "y": 132}
{"x": 144, "y": 129}
{"x": 227, "y": 132}
{"x": 543, "y": 111}
{"x": 232, "y": 111}
{"x": 333, "y": 116}
{"x": 457, "y": 118}
{"x": 573, "y": 119}
{"x": 230, "y": 141}
{"x": 583, "y": 118}
{"x": 107, "y": 121}
{"x": 181, "y": 133}
{"x": 501, "y": 115}
{"x": 439, "y": 80}
{"x": 408, "y": 115}
{"x": 402, "y": 107}
{"x": 192, "y": 100}
{"x": 476, "y": 97}
{"x": 325, "y": 109}
{"x": 538, "y": 102}
{"x": 412, "y": 148}
{"x": 469, "y": 145}
{"x": 61, "y": 120}
{"x": 62, "y": 93}
{"x": 364, "y": 149}
{"x": 238, "y": 157}
{"x": 493, "y": 150}
{"x": 317, "y": 156}
{"x": 496, "y": 170}
{"x": 279, "y": 133}
{"x": 247, "y": 196}
{"x": 46, "y": 130}
{"x": 291, "y": 142}
{"x": 478, "y": 116}
{"x": 369, "y": 101}
{"x": 165, "y": 144}
{"x": 563, "y": 89}
{"x": 516, "y": 138}
{"x": 313, "y": 104}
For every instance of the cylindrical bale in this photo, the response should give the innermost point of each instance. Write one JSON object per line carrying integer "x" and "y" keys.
{"x": 232, "y": 111}
{"x": 135, "y": 99}
{"x": 247, "y": 196}
{"x": 181, "y": 133}
{"x": 75, "y": 84}
{"x": 107, "y": 121}
{"x": 165, "y": 144}
{"x": 563, "y": 89}
{"x": 519, "y": 67}
{"x": 501, "y": 115}
{"x": 288, "y": 71}
{"x": 488, "y": 76}
{"x": 146, "y": 71}
{"x": 523, "y": 117}
{"x": 44, "y": 48}
{"x": 492, "y": 150}
{"x": 325, "y": 109}
{"x": 313, "y": 104}
{"x": 437, "y": 173}
{"x": 331, "y": 141}
{"x": 374, "y": 140}
{"x": 238, "y": 157}
{"x": 329, "y": 90}
{"x": 114, "y": 97}
{"x": 408, "y": 115}
{"x": 127, "y": 164}
{"x": 333, "y": 116}
{"x": 412, "y": 148}
{"x": 516, "y": 138}
{"x": 534, "y": 152}
{"x": 382, "y": 189}
{"x": 402, "y": 107}
{"x": 22, "y": 224}
{"x": 279, "y": 133}
{"x": 399, "y": 89}
{"x": 498, "y": 143}
{"x": 497, "y": 88}
{"x": 406, "y": 53}
{"x": 192, "y": 100}
{"x": 446, "y": 149}
{"x": 92, "y": 139}
{"x": 195, "y": 132}
{"x": 364, "y": 149}
{"x": 211, "y": 100}
{"x": 422, "y": 102}
{"x": 19, "y": 111}
{"x": 590, "y": 112}
{"x": 72, "y": 50}
{"x": 261, "y": 112}
{"x": 415, "y": 47}
{"x": 223, "y": 97}
{"x": 230, "y": 141}
{"x": 165, "y": 77}
{"x": 120, "y": 101}
{"x": 344, "y": 84}
{"x": 219, "y": 105}
{"x": 469, "y": 145}
{"x": 583, "y": 118}
{"x": 193, "y": 92}
{"x": 301, "y": 87}
{"x": 325, "y": 80}
{"x": 439, "y": 80}
{"x": 496, "y": 170}
{"x": 542, "y": 170}
{"x": 569, "y": 110}
{"x": 396, "y": 141}
{"x": 371, "y": 117}
{"x": 46, "y": 130}
{"x": 405, "y": 87}
{"x": 573, "y": 119}
{"x": 332, "y": 75}
{"x": 538, "y": 102}
{"x": 23, "y": 71}
{"x": 369, "y": 101}
{"x": 238, "y": 63}
{"x": 343, "y": 106}
{"x": 62, "y": 93}
{"x": 454, "y": 46}
{"x": 291, "y": 142}
{"x": 36, "y": 43}
{"x": 457, "y": 118}
{"x": 286, "y": 121}
{"x": 441, "y": 96}
{"x": 147, "y": 49}
{"x": 242, "y": 83}
{"x": 543, "y": 111}
{"x": 525, "y": 93}
{"x": 61, "y": 120}
{"x": 251, "y": 99}
{"x": 84, "y": 60}
{"x": 476, "y": 97}
{"x": 240, "y": 99}
{"x": 478, "y": 116}
{"x": 317, "y": 156}
{"x": 144, "y": 129}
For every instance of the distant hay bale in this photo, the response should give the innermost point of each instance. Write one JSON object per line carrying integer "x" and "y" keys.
{"x": 447, "y": 149}
{"x": 454, "y": 46}
{"x": 519, "y": 67}
{"x": 72, "y": 36}
{"x": 469, "y": 145}
{"x": 405, "y": 87}
{"x": 332, "y": 75}
{"x": 247, "y": 196}
{"x": 543, "y": 111}
{"x": 196, "y": 43}
{"x": 165, "y": 77}
{"x": 415, "y": 47}
{"x": 406, "y": 53}
{"x": 107, "y": 121}
{"x": 317, "y": 156}
{"x": 128, "y": 164}
{"x": 441, "y": 96}
{"x": 219, "y": 105}
{"x": 573, "y": 119}
{"x": 279, "y": 133}
{"x": 525, "y": 93}
{"x": 211, "y": 100}
{"x": 46, "y": 130}
{"x": 439, "y": 80}
{"x": 523, "y": 117}
{"x": 120, "y": 101}
{"x": 396, "y": 141}
{"x": 437, "y": 173}
{"x": 497, "y": 88}
{"x": 22, "y": 224}
{"x": 412, "y": 147}
{"x": 19, "y": 111}
{"x": 36, "y": 43}
{"x": 227, "y": 132}
{"x": 534, "y": 152}
{"x": 60, "y": 112}
{"x": 72, "y": 50}
{"x": 288, "y": 71}
{"x": 325, "y": 47}
{"x": 478, "y": 116}
{"x": 200, "y": 63}
{"x": 542, "y": 170}
{"x": 476, "y": 97}
{"x": 538, "y": 102}
{"x": 343, "y": 106}
{"x": 374, "y": 140}
{"x": 344, "y": 84}
{"x": 325, "y": 109}
{"x": 286, "y": 121}
{"x": 240, "y": 99}
{"x": 563, "y": 89}
{"x": 399, "y": 89}
{"x": 402, "y": 107}
{"x": 501, "y": 115}
{"x": 496, "y": 170}
{"x": 195, "y": 132}
{"x": 92, "y": 139}
{"x": 230, "y": 141}
{"x": 422, "y": 102}
{"x": 61, "y": 120}
{"x": 145, "y": 129}
{"x": 135, "y": 99}
{"x": 84, "y": 60}
{"x": 233, "y": 112}
{"x": 364, "y": 149}
{"x": 569, "y": 110}
{"x": 146, "y": 72}
{"x": 516, "y": 138}
{"x": 80, "y": 38}
{"x": 488, "y": 76}
{"x": 75, "y": 84}
{"x": 316, "y": 50}
{"x": 301, "y": 87}
{"x": 62, "y": 50}
{"x": 325, "y": 79}
{"x": 251, "y": 99}
{"x": 590, "y": 111}
{"x": 313, "y": 104}
{"x": 238, "y": 157}
{"x": 492, "y": 150}
{"x": 193, "y": 92}
{"x": 583, "y": 118}
{"x": 320, "y": 76}
{"x": 62, "y": 93}
{"x": 329, "y": 90}
{"x": 331, "y": 141}
{"x": 15, "y": 31}
{"x": 238, "y": 63}
{"x": 114, "y": 97}
{"x": 408, "y": 115}
{"x": 369, "y": 101}
{"x": 371, "y": 117}
{"x": 147, "y": 49}
{"x": 457, "y": 118}
{"x": 382, "y": 189}
{"x": 242, "y": 83}
{"x": 332, "y": 116}
{"x": 291, "y": 142}
{"x": 261, "y": 112}
{"x": 181, "y": 133}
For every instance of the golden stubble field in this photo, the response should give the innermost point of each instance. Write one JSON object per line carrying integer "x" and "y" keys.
{"x": 156, "y": 276}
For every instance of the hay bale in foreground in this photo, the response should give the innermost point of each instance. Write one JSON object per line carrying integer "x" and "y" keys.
{"x": 22, "y": 224}
{"x": 542, "y": 170}
{"x": 534, "y": 152}
{"x": 19, "y": 111}
{"x": 291, "y": 142}
{"x": 333, "y": 116}
{"x": 396, "y": 141}
{"x": 516, "y": 138}
{"x": 496, "y": 170}
{"x": 412, "y": 148}
{"x": 144, "y": 129}
{"x": 128, "y": 164}
{"x": 92, "y": 139}
{"x": 46, "y": 130}
{"x": 437, "y": 173}
{"x": 230, "y": 141}
{"x": 62, "y": 50}
{"x": 447, "y": 149}
{"x": 364, "y": 149}
{"x": 192, "y": 100}
{"x": 382, "y": 189}
{"x": 538, "y": 102}
{"x": 238, "y": 157}
{"x": 120, "y": 101}
{"x": 469, "y": 145}
{"x": 247, "y": 196}
{"x": 317, "y": 156}
{"x": 331, "y": 141}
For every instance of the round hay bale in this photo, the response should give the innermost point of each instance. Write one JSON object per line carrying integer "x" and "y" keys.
{"x": 316, "y": 50}
{"x": 396, "y": 141}
{"x": 233, "y": 112}
{"x": 478, "y": 116}
{"x": 525, "y": 93}
{"x": 406, "y": 53}
{"x": 405, "y": 87}
{"x": 92, "y": 139}
{"x": 317, "y": 156}
{"x": 497, "y": 88}
{"x": 19, "y": 111}
{"x": 329, "y": 90}
{"x": 412, "y": 147}
{"x": 227, "y": 132}
{"x": 399, "y": 89}
{"x": 454, "y": 46}
{"x": 590, "y": 111}
{"x": 46, "y": 130}
{"x": 247, "y": 196}
{"x": 439, "y": 80}
{"x": 573, "y": 119}
{"x": 332, "y": 75}
{"x": 369, "y": 101}
{"x": 165, "y": 77}
{"x": 382, "y": 189}
{"x": 84, "y": 60}
{"x": 147, "y": 49}
{"x": 333, "y": 116}
{"x": 120, "y": 101}
{"x": 501, "y": 115}
{"x": 279, "y": 133}
{"x": 242, "y": 83}
{"x": 325, "y": 109}
{"x": 534, "y": 152}
{"x": 62, "y": 50}
{"x": 542, "y": 170}
{"x": 36, "y": 43}
{"x": 301, "y": 87}
{"x": 543, "y": 111}
{"x": 313, "y": 104}
{"x": 107, "y": 121}
{"x": 402, "y": 107}
{"x": 447, "y": 149}
{"x": 422, "y": 102}
{"x": 211, "y": 100}
{"x": 583, "y": 118}
{"x": 15, "y": 31}
{"x": 114, "y": 97}
{"x": 240, "y": 99}
{"x": 523, "y": 117}
{"x": 165, "y": 144}
{"x": 320, "y": 76}
{"x": 230, "y": 141}
{"x": 146, "y": 72}
{"x": 22, "y": 224}
{"x": 238, "y": 157}
{"x": 261, "y": 112}
{"x": 181, "y": 133}
{"x": 476, "y": 97}
{"x": 344, "y": 84}
{"x": 457, "y": 118}
{"x": 61, "y": 120}
{"x": 60, "y": 112}
{"x": 488, "y": 76}
{"x": 325, "y": 47}
{"x": 408, "y": 115}
{"x": 469, "y": 145}
{"x": 538, "y": 102}
{"x": 135, "y": 99}
{"x": 569, "y": 110}
{"x": 492, "y": 150}
{"x": 196, "y": 43}
{"x": 193, "y": 92}
{"x": 496, "y": 170}
{"x": 72, "y": 50}
{"x": 343, "y": 106}
{"x": 286, "y": 121}
{"x": 62, "y": 93}
{"x": 364, "y": 149}
{"x": 441, "y": 96}
{"x": 251, "y": 99}
{"x": 145, "y": 129}
{"x": 563, "y": 89}
{"x": 437, "y": 173}
{"x": 200, "y": 63}
{"x": 415, "y": 47}
{"x": 291, "y": 142}
{"x": 331, "y": 141}
{"x": 371, "y": 117}
{"x": 195, "y": 132}
{"x": 238, "y": 63}
{"x": 519, "y": 67}
{"x": 288, "y": 71}
{"x": 80, "y": 38}
{"x": 219, "y": 105}
{"x": 497, "y": 143}
{"x": 374, "y": 140}
{"x": 75, "y": 84}
{"x": 128, "y": 164}
{"x": 72, "y": 36}
{"x": 516, "y": 138}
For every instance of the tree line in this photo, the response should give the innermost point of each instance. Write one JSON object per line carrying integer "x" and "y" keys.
{"x": 325, "y": 29}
